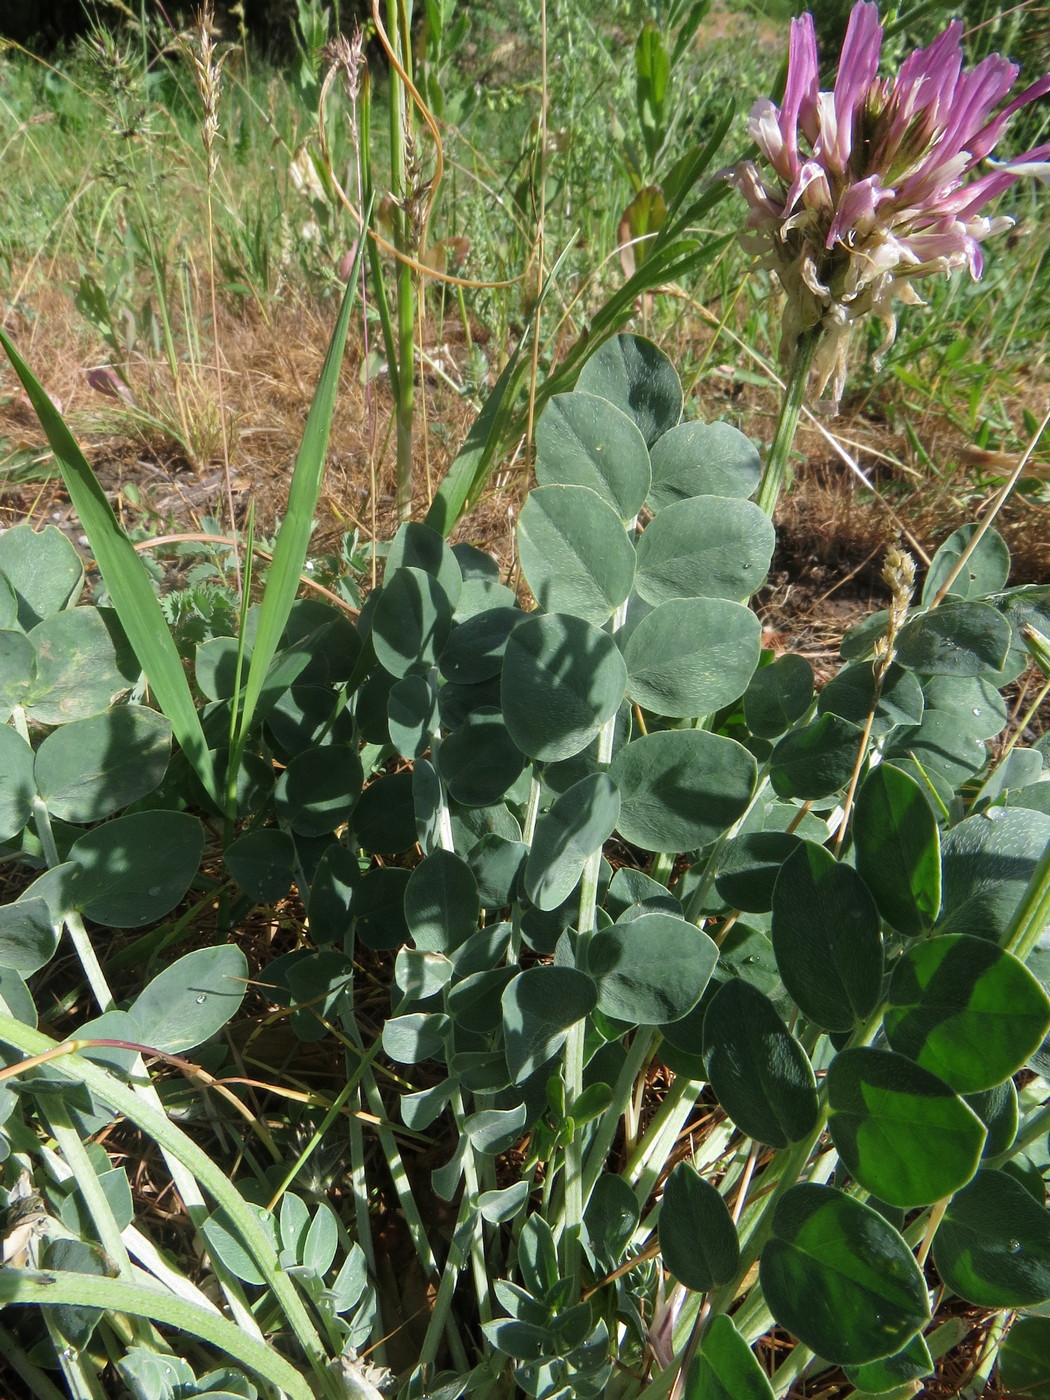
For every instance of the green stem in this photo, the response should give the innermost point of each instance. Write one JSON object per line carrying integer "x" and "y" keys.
{"x": 572, "y": 1210}
{"x": 94, "y": 1198}
{"x": 775, "y": 469}
{"x": 471, "y": 1191}
{"x": 1033, "y": 913}
{"x": 326, "y": 1122}
{"x": 663, "y": 867}
{"x": 785, "y": 1376}
{"x": 458, "y": 1252}
{"x": 1032, "y": 1128}
{"x": 40, "y": 1387}
{"x": 399, "y": 13}
{"x": 78, "y": 934}
{"x": 197, "y": 1171}
{"x": 601, "y": 1144}
{"x": 574, "y": 1201}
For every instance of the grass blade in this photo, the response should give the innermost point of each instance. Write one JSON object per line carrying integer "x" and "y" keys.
{"x": 293, "y": 539}
{"x": 126, "y": 578}
{"x": 476, "y": 458}
{"x": 56, "y": 1288}
{"x": 210, "y": 1177}
{"x": 474, "y": 463}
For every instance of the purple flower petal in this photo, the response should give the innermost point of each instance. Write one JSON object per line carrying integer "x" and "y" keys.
{"x": 857, "y": 209}
{"x": 873, "y": 183}
{"x": 986, "y": 139}
{"x": 858, "y": 68}
{"x": 800, "y": 94}
{"x": 810, "y": 186}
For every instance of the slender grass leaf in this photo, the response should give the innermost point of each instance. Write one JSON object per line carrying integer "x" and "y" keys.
{"x": 293, "y": 538}
{"x": 126, "y": 579}
{"x": 474, "y": 463}
{"x": 214, "y": 1180}
{"x": 494, "y": 426}
{"x": 56, "y": 1288}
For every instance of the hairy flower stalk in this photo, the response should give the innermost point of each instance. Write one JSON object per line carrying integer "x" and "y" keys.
{"x": 872, "y": 185}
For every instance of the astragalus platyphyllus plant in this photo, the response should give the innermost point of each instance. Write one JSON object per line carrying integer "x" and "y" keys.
{"x": 875, "y": 184}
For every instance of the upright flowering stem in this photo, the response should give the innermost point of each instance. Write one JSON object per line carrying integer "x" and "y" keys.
{"x": 878, "y": 184}
{"x": 775, "y": 470}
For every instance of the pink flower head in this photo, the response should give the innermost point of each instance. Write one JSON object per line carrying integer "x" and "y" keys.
{"x": 873, "y": 182}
